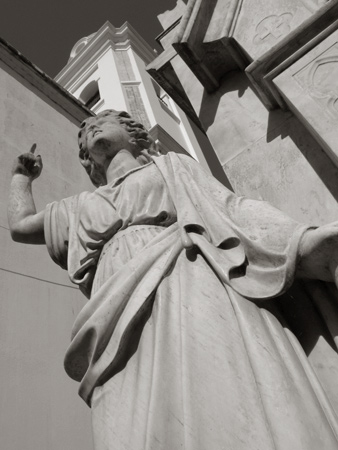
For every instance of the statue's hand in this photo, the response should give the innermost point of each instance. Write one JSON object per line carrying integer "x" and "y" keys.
{"x": 28, "y": 164}
{"x": 318, "y": 253}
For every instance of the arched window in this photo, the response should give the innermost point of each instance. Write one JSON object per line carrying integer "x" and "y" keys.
{"x": 90, "y": 94}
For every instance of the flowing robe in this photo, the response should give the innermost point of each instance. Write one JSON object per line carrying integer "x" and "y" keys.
{"x": 175, "y": 348}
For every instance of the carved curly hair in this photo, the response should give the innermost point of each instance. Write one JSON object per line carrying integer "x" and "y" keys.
{"x": 139, "y": 137}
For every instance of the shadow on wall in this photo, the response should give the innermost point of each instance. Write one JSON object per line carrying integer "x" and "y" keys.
{"x": 309, "y": 147}
{"x": 210, "y": 102}
{"x": 304, "y": 309}
{"x": 237, "y": 82}
{"x": 309, "y": 311}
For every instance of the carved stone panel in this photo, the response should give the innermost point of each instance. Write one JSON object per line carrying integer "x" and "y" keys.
{"x": 272, "y": 28}
{"x": 310, "y": 87}
{"x": 260, "y": 37}
{"x": 320, "y": 80}
{"x": 262, "y": 24}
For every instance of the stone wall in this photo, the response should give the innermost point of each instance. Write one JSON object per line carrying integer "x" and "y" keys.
{"x": 269, "y": 155}
{"x": 40, "y": 408}
{"x": 260, "y": 79}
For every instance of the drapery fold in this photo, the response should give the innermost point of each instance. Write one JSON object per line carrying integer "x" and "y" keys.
{"x": 251, "y": 246}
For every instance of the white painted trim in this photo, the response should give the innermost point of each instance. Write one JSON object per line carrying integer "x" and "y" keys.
{"x": 167, "y": 142}
{"x": 98, "y": 106}
{"x": 131, "y": 83}
{"x": 120, "y": 39}
{"x": 168, "y": 111}
{"x": 184, "y": 130}
{"x": 84, "y": 78}
{"x": 80, "y": 70}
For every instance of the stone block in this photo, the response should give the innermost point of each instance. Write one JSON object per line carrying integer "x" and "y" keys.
{"x": 310, "y": 88}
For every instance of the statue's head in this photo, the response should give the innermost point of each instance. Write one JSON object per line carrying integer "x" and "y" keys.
{"x": 133, "y": 136}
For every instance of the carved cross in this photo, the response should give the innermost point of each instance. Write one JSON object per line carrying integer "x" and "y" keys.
{"x": 273, "y": 27}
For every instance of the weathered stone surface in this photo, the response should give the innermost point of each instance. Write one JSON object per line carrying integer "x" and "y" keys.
{"x": 310, "y": 87}
{"x": 260, "y": 24}
{"x": 218, "y": 36}
{"x": 39, "y": 405}
{"x": 236, "y": 121}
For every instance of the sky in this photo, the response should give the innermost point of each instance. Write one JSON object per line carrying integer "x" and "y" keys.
{"x": 45, "y": 31}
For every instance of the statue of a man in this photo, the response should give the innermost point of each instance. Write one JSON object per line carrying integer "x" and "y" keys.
{"x": 175, "y": 349}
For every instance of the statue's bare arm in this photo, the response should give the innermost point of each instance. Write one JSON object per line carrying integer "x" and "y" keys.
{"x": 26, "y": 225}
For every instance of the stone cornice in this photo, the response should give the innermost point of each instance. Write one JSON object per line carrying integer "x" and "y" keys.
{"x": 41, "y": 82}
{"x": 73, "y": 74}
{"x": 106, "y": 37}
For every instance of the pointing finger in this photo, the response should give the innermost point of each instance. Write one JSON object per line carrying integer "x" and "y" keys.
{"x": 32, "y": 150}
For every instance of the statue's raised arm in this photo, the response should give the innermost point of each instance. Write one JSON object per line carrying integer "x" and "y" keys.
{"x": 26, "y": 225}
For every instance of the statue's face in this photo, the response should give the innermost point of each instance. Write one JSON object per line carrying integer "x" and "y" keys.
{"x": 105, "y": 137}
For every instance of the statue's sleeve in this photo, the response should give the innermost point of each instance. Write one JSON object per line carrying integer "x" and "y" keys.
{"x": 60, "y": 218}
{"x": 251, "y": 245}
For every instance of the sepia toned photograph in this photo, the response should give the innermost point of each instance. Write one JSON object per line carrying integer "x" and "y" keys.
{"x": 169, "y": 225}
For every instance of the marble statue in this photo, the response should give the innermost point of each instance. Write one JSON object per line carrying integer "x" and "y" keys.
{"x": 174, "y": 348}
